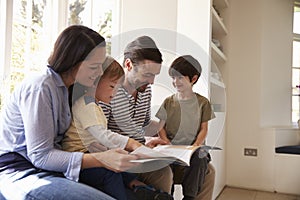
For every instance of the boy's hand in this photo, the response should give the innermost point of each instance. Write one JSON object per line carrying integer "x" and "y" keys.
{"x": 153, "y": 142}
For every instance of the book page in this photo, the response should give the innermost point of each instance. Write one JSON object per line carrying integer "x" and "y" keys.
{"x": 181, "y": 152}
{"x": 146, "y": 152}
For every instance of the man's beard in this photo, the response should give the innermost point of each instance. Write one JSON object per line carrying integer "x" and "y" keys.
{"x": 142, "y": 88}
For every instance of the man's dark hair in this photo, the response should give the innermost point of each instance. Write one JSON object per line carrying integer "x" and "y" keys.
{"x": 142, "y": 48}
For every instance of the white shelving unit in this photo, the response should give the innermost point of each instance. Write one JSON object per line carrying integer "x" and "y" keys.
{"x": 221, "y": 3}
{"x": 217, "y": 23}
{"x": 217, "y": 133}
{"x": 218, "y": 57}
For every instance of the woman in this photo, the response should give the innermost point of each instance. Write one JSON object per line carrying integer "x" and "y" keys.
{"x": 32, "y": 165}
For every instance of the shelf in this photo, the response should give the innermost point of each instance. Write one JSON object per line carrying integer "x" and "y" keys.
{"x": 218, "y": 27}
{"x": 291, "y": 127}
{"x": 217, "y": 82}
{"x": 217, "y": 54}
{"x": 221, "y": 4}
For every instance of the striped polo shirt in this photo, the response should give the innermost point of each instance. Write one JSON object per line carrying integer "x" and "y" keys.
{"x": 128, "y": 116}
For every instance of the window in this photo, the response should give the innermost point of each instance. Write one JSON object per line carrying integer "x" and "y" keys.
{"x": 28, "y": 30}
{"x": 296, "y": 64}
{"x": 96, "y": 14}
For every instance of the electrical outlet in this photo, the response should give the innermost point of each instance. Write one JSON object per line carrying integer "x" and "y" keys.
{"x": 250, "y": 152}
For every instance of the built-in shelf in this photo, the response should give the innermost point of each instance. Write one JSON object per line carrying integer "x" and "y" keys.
{"x": 218, "y": 27}
{"x": 217, "y": 54}
{"x": 292, "y": 127}
{"x": 217, "y": 92}
{"x": 217, "y": 82}
{"x": 221, "y": 4}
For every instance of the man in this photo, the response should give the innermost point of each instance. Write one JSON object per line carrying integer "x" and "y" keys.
{"x": 129, "y": 111}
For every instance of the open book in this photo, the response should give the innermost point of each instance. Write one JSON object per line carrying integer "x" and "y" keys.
{"x": 180, "y": 154}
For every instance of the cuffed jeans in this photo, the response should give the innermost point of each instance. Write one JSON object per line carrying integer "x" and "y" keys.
{"x": 192, "y": 177}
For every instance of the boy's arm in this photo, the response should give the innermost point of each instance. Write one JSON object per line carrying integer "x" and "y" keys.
{"x": 110, "y": 140}
{"x": 162, "y": 132}
{"x": 202, "y": 134}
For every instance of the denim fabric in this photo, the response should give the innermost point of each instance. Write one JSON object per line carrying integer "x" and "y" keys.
{"x": 105, "y": 180}
{"x": 114, "y": 184}
{"x": 192, "y": 177}
{"x": 36, "y": 184}
{"x": 128, "y": 177}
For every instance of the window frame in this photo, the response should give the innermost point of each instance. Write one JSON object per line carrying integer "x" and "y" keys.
{"x": 6, "y": 8}
{"x": 296, "y": 37}
{"x": 56, "y": 13}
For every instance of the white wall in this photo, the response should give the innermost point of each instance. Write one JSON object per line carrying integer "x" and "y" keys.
{"x": 276, "y": 57}
{"x": 258, "y": 89}
{"x": 257, "y": 77}
{"x": 193, "y": 22}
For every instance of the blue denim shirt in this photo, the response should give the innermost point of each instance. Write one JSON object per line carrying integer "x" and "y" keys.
{"x": 34, "y": 121}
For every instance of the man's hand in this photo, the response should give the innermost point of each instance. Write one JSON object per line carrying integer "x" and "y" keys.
{"x": 154, "y": 141}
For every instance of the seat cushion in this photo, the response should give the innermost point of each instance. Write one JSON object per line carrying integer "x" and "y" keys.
{"x": 294, "y": 149}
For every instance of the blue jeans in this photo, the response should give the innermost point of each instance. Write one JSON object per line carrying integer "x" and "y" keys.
{"x": 114, "y": 184}
{"x": 36, "y": 184}
{"x": 105, "y": 180}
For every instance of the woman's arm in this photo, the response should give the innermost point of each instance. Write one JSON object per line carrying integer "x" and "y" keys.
{"x": 46, "y": 116}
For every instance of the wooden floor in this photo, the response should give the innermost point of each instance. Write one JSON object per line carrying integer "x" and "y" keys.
{"x": 230, "y": 193}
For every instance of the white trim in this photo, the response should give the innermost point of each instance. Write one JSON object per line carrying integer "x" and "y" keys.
{"x": 116, "y": 27}
{"x": 6, "y": 34}
{"x": 60, "y": 21}
{"x": 2, "y": 37}
{"x": 296, "y": 36}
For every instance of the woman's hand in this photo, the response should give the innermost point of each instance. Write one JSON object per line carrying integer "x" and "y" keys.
{"x": 117, "y": 160}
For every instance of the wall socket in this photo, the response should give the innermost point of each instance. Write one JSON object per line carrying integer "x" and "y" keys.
{"x": 250, "y": 152}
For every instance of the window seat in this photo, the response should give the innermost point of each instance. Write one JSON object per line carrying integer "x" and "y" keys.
{"x": 291, "y": 149}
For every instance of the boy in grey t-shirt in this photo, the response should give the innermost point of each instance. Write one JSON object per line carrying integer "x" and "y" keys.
{"x": 184, "y": 120}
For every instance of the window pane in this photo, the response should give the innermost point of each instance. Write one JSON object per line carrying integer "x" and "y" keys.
{"x": 2, "y": 44}
{"x": 96, "y": 14}
{"x": 29, "y": 48}
{"x": 296, "y": 28}
{"x": 295, "y": 108}
{"x": 295, "y": 79}
{"x": 296, "y": 54}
